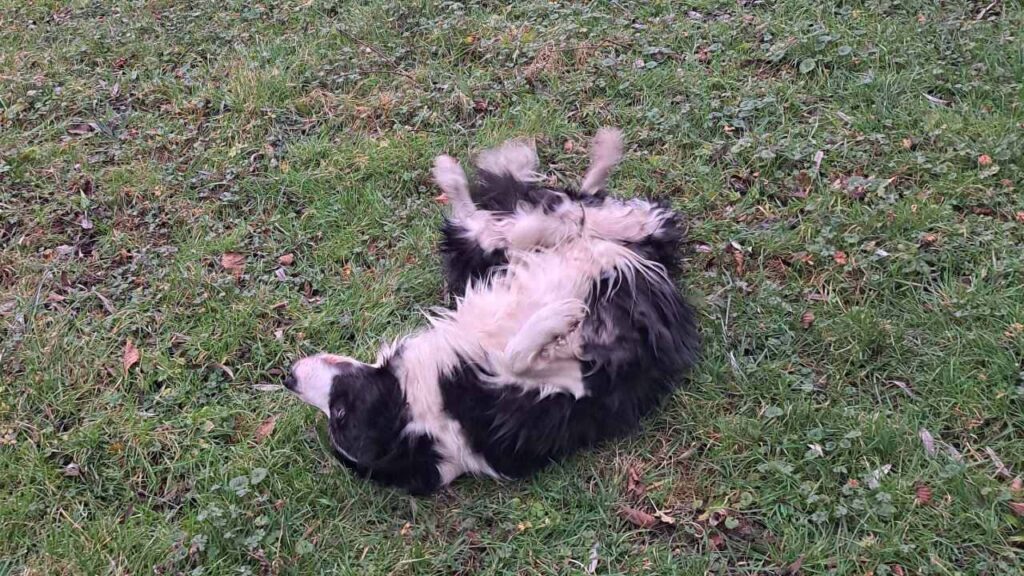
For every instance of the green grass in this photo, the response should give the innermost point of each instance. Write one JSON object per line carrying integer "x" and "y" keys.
{"x": 185, "y": 130}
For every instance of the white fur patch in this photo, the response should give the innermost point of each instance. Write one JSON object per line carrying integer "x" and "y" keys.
{"x": 313, "y": 378}
{"x": 451, "y": 179}
{"x": 605, "y": 154}
{"x": 515, "y": 158}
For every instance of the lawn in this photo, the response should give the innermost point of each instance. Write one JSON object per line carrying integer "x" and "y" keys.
{"x": 194, "y": 194}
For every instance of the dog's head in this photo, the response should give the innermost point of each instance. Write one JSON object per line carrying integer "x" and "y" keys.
{"x": 363, "y": 402}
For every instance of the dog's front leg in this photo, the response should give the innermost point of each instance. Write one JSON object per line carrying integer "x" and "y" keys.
{"x": 546, "y": 326}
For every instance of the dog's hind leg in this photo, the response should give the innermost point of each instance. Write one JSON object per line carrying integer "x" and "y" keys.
{"x": 605, "y": 154}
{"x": 452, "y": 181}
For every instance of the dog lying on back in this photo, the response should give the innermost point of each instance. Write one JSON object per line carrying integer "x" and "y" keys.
{"x": 567, "y": 330}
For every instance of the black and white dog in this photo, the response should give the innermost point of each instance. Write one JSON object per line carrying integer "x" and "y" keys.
{"x": 568, "y": 329}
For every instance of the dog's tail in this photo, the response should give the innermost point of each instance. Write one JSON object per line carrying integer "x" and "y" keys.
{"x": 605, "y": 154}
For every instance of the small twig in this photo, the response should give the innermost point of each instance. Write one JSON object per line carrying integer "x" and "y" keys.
{"x": 986, "y": 9}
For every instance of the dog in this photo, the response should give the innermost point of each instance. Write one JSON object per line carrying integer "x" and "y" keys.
{"x": 568, "y": 329}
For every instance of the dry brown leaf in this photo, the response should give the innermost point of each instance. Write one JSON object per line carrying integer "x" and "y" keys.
{"x": 265, "y": 429}
{"x": 984, "y": 160}
{"x": 1017, "y": 507}
{"x": 233, "y": 262}
{"x": 638, "y": 518}
{"x": 130, "y": 356}
{"x": 927, "y": 440}
{"x": 635, "y": 486}
{"x": 568, "y": 146}
{"x": 794, "y": 568}
{"x": 922, "y": 494}
{"x": 907, "y": 143}
{"x": 1001, "y": 469}
{"x": 840, "y": 257}
{"x": 738, "y": 258}
{"x": 897, "y": 570}
{"x": 286, "y": 259}
{"x": 807, "y": 319}
{"x": 1017, "y": 485}
{"x": 82, "y": 128}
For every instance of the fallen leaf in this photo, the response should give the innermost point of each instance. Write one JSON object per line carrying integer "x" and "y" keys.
{"x": 907, "y": 143}
{"x": 72, "y": 470}
{"x": 635, "y": 486}
{"x": 807, "y": 319}
{"x": 897, "y": 570}
{"x": 935, "y": 100}
{"x": 130, "y": 356}
{"x": 902, "y": 386}
{"x": 286, "y": 259}
{"x": 265, "y": 429}
{"x": 922, "y": 494}
{"x": 233, "y": 262}
{"x": 1017, "y": 507}
{"x": 1017, "y": 486}
{"x": 55, "y": 298}
{"x": 794, "y": 568}
{"x": 984, "y": 160}
{"x": 85, "y": 223}
{"x": 818, "y": 157}
{"x": 874, "y": 479}
{"x": 82, "y": 128}
{"x": 230, "y": 373}
{"x": 927, "y": 440}
{"x": 840, "y": 257}
{"x": 281, "y": 275}
{"x": 592, "y": 565}
{"x": 568, "y": 146}
{"x": 716, "y": 541}
{"x": 929, "y": 240}
{"x": 666, "y": 519}
{"x": 1001, "y": 469}
{"x": 638, "y": 518}
{"x": 406, "y": 529}
{"x": 738, "y": 259}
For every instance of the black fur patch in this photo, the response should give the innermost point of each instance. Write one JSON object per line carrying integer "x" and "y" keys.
{"x": 464, "y": 260}
{"x": 502, "y": 193}
{"x": 368, "y": 415}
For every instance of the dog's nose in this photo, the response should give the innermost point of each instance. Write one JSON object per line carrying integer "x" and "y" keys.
{"x": 290, "y": 382}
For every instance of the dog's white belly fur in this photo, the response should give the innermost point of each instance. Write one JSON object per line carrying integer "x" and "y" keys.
{"x": 479, "y": 330}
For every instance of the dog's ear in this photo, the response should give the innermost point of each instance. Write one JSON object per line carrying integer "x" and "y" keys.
{"x": 605, "y": 154}
{"x": 366, "y": 413}
{"x": 452, "y": 181}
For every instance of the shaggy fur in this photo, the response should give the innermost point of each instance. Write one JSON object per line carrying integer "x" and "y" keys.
{"x": 568, "y": 330}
